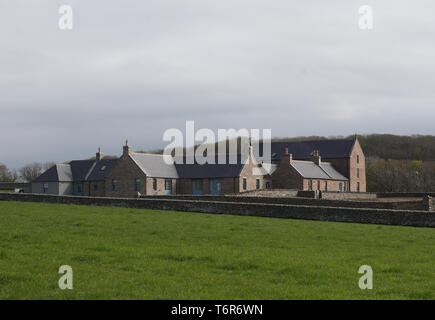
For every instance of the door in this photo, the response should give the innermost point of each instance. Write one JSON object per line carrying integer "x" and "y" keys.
{"x": 197, "y": 187}
{"x": 168, "y": 186}
{"x": 80, "y": 189}
{"x": 215, "y": 187}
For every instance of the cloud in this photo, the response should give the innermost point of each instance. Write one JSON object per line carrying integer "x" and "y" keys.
{"x": 134, "y": 69}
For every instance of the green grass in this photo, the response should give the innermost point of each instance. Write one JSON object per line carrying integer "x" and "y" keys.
{"x": 6, "y": 191}
{"x": 120, "y": 253}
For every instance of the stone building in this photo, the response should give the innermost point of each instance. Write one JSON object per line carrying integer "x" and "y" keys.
{"x": 222, "y": 177}
{"x": 308, "y": 175}
{"x": 345, "y": 155}
{"x": 326, "y": 165}
{"x": 78, "y": 177}
{"x": 140, "y": 173}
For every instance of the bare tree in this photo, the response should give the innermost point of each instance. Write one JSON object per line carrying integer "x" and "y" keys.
{"x": 7, "y": 175}
{"x": 31, "y": 171}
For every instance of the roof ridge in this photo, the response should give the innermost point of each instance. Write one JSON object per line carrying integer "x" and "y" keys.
{"x": 147, "y": 154}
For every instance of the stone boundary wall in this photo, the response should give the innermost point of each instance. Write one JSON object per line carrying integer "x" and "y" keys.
{"x": 400, "y": 205}
{"x": 347, "y": 195}
{"x": 404, "y": 194}
{"x": 269, "y": 193}
{"x": 355, "y": 215}
{"x": 13, "y": 185}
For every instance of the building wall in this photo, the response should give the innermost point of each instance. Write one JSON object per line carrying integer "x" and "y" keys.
{"x": 286, "y": 177}
{"x": 58, "y": 188}
{"x": 332, "y": 185}
{"x": 353, "y": 165}
{"x": 125, "y": 171}
{"x": 251, "y": 171}
{"x": 160, "y": 186}
{"x": 95, "y": 188}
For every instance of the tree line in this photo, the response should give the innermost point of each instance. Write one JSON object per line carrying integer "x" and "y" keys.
{"x": 27, "y": 173}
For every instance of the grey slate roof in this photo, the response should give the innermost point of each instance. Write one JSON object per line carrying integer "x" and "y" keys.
{"x": 81, "y": 168}
{"x": 330, "y": 170}
{"x": 338, "y": 148}
{"x": 311, "y": 170}
{"x": 57, "y": 173}
{"x": 153, "y": 165}
{"x": 77, "y": 171}
{"x": 208, "y": 170}
{"x": 101, "y": 169}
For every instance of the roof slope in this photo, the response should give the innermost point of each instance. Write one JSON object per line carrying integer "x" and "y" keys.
{"x": 81, "y": 168}
{"x": 311, "y": 170}
{"x": 223, "y": 169}
{"x": 330, "y": 171}
{"x": 57, "y": 173}
{"x": 339, "y": 148}
{"x": 153, "y": 165}
{"x": 101, "y": 169}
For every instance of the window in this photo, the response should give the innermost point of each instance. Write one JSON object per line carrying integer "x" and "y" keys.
{"x": 310, "y": 185}
{"x": 137, "y": 184}
{"x": 340, "y": 186}
{"x": 114, "y": 185}
{"x": 154, "y": 184}
{"x": 95, "y": 187}
{"x": 45, "y": 188}
{"x": 357, "y": 187}
{"x": 168, "y": 184}
{"x": 357, "y": 158}
{"x": 79, "y": 188}
{"x": 318, "y": 184}
{"x": 267, "y": 184}
{"x": 197, "y": 186}
{"x": 244, "y": 183}
{"x": 326, "y": 185}
{"x": 344, "y": 187}
{"x": 257, "y": 183}
{"x": 357, "y": 172}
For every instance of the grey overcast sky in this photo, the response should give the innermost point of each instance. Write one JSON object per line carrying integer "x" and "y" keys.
{"x": 132, "y": 69}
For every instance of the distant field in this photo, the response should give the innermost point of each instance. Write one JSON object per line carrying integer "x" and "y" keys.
{"x": 6, "y": 190}
{"x": 120, "y": 253}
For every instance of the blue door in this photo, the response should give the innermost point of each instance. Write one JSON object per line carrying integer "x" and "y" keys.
{"x": 215, "y": 187}
{"x": 168, "y": 186}
{"x": 197, "y": 187}
{"x": 79, "y": 189}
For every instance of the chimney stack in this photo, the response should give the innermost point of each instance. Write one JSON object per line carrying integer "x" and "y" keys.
{"x": 286, "y": 158}
{"x": 126, "y": 149}
{"x": 317, "y": 159}
{"x": 99, "y": 155}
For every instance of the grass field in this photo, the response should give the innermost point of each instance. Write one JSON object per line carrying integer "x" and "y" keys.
{"x": 120, "y": 253}
{"x": 6, "y": 191}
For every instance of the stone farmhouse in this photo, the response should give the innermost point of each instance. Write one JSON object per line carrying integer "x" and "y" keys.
{"x": 326, "y": 165}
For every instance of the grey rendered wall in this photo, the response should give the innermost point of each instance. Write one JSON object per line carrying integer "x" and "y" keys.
{"x": 53, "y": 187}
{"x": 65, "y": 188}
